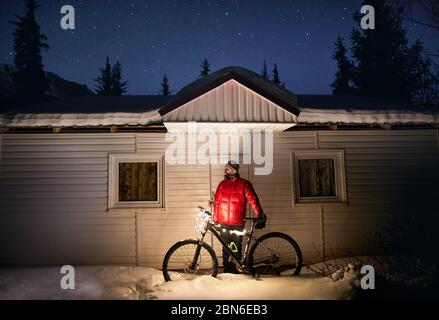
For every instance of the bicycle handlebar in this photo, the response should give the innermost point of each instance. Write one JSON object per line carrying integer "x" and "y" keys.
{"x": 208, "y": 212}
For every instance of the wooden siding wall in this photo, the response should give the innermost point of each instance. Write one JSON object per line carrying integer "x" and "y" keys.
{"x": 53, "y": 195}
{"x": 389, "y": 174}
{"x": 53, "y": 199}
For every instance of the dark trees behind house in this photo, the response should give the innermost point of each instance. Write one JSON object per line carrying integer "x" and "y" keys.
{"x": 264, "y": 72}
{"x": 165, "y": 91}
{"x": 119, "y": 86}
{"x": 31, "y": 83}
{"x": 275, "y": 76}
{"x": 383, "y": 63}
{"x": 109, "y": 82}
{"x": 343, "y": 77}
{"x": 205, "y": 68}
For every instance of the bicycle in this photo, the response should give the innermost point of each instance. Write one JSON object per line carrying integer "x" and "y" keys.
{"x": 273, "y": 253}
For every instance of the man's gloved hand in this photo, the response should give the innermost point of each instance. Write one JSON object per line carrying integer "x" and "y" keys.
{"x": 260, "y": 222}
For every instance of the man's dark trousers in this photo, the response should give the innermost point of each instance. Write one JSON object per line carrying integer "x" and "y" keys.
{"x": 229, "y": 238}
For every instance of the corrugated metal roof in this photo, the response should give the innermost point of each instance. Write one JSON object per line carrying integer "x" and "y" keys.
{"x": 96, "y": 104}
{"x": 345, "y": 102}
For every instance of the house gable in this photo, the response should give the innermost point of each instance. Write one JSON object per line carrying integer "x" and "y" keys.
{"x": 230, "y": 102}
{"x": 232, "y": 97}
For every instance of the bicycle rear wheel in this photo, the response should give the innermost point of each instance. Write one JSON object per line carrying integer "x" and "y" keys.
{"x": 178, "y": 261}
{"x": 275, "y": 254}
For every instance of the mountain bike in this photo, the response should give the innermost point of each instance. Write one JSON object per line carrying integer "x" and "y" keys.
{"x": 273, "y": 253}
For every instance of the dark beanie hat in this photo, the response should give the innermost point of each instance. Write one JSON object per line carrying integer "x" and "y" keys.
{"x": 233, "y": 164}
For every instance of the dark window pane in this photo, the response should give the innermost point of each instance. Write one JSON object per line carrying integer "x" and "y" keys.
{"x": 317, "y": 178}
{"x": 138, "y": 181}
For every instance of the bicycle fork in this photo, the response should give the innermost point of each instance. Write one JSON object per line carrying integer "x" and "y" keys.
{"x": 244, "y": 255}
{"x": 193, "y": 265}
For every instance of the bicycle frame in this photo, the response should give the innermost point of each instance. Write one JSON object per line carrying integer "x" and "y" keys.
{"x": 241, "y": 265}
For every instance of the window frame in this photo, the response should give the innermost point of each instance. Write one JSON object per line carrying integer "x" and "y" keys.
{"x": 113, "y": 181}
{"x": 339, "y": 175}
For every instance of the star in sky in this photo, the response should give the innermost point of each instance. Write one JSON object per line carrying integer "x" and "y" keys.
{"x": 151, "y": 38}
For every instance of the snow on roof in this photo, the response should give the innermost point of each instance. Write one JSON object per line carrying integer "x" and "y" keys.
{"x": 88, "y": 111}
{"x": 340, "y": 116}
{"x": 144, "y": 111}
{"x": 82, "y": 119}
{"x": 329, "y": 109}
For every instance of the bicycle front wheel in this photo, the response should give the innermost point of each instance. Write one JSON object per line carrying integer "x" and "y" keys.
{"x": 275, "y": 254}
{"x": 179, "y": 261}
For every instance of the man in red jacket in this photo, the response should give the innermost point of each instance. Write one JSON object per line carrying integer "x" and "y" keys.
{"x": 229, "y": 207}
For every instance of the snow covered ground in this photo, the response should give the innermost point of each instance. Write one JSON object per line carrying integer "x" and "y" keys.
{"x": 104, "y": 282}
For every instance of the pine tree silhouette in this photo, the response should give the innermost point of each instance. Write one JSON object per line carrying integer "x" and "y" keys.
{"x": 205, "y": 68}
{"x": 429, "y": 93}
{"x": 383, "y": 59}
{"x": 343, "y": 77}
{"x": 275, "y": 77}
{"x": 119, "y": 87}
{"x": 104, "y": 81}
{"x": 264, "y": 72}
{"x": 422, "y": 79}
{"x": 110, "y": 83}
{"x": 165, "y": 91}
{"x": 31, "y": 82}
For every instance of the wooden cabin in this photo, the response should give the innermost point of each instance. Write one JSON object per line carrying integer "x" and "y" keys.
{"x": 86, "y": 180}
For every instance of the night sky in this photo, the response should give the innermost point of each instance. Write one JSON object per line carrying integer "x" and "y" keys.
{"x": 151, "y": 38}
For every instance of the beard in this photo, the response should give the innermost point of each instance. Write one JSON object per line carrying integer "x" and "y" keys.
{"x": 231, "y": 176}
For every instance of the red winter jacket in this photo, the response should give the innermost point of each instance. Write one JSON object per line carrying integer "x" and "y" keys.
{"x": 231, "y": 199}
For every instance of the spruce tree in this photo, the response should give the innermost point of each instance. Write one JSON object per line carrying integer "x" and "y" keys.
{"x": 382, "y": 57}
{"x": 429, "y": 94}
{"x": 165, "y": 91}
{"x": 264, "y": 72}
{"x": 119, "y": 87}
{"x": 205, "y": 68}
{"x": 343, "y": 77}
{"x": 31, "y": 82}
{"x": 104, "y": 85}
{"x": 422, "y": 78}
{"x": 275, "y": 77}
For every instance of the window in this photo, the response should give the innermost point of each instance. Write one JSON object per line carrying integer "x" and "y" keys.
{"x": 319, "y": 176}
{"x": 135, "y": 181}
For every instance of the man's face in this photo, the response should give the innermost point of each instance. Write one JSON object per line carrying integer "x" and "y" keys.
{"x": 229, "y": 170}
